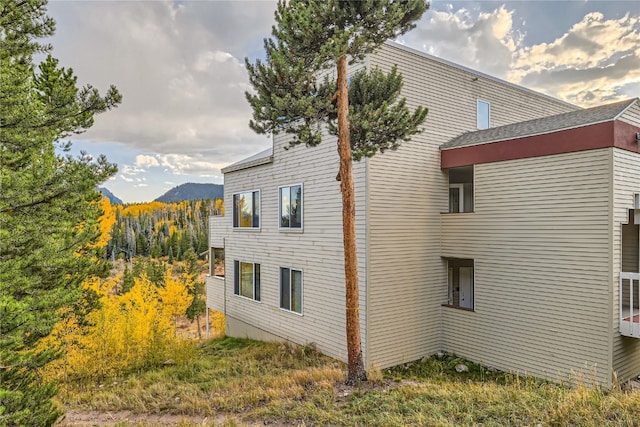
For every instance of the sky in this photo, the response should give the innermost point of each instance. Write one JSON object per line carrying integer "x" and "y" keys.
{"x": 179, "y": 65}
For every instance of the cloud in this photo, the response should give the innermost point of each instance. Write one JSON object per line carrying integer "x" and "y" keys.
{"x": 179, "y": 66}
{"x": 146, "y": 161}
{"x": 596, "y": 60}
{"x": 483, "y": 41}
{"x": 181, "y": 164}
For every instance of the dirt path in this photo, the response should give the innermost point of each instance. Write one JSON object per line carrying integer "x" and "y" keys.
{"x": 75, "y": 418}
{"x": 104, "y": 419}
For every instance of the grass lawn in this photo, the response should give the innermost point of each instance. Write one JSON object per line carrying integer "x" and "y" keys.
{"x": 236, "y": 382}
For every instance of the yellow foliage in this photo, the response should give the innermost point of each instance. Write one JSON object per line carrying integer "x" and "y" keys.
{"x": 219, "y": 206}
{"x": 106, "y": 221}
{"x": 128, "y": 331}
{"x": 175, "y": 296}
{"x": 138, "y": 208}
{"x": 217, "y": 323}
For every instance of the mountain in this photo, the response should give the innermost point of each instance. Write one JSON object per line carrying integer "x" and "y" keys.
{"x": 109, "y": 195}
{"x": 192, "y": 191}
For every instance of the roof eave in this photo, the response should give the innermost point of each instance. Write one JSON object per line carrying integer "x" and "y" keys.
{"x": 247, "y": 165}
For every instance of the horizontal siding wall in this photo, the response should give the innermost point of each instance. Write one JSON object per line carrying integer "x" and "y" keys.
{"x": 632, "y": 115}
{"x": 407, "y": 193}
{"x": 317, "y": 250}
{"x": 539, "y": 237}
{"x": 626, "y": 182}
{"x": 215, "y": 293}
{"x": 630, "y": 245}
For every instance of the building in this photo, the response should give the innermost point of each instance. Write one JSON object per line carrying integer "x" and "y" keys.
{"x": 500, "y": 233}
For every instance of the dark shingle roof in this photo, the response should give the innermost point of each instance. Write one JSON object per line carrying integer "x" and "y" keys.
{"x": 573, "y": 119}
{"x": 261, "y": 158}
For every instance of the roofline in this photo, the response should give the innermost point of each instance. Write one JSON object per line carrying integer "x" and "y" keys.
{"x": 607, "y": 134}
{"x": 509, "y": 138}
{"x": 475, "y": 72}
{"x": 632, "y": 102}
{"x": 247, "y": 165}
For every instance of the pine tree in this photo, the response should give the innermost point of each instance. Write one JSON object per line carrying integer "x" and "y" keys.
{"x": 127, "y": 280}
{"x": 195, "y": 287}
{"x": 170, "y": 255}
{"x": 49, "y": 207}
{"x": 310, "y": 39}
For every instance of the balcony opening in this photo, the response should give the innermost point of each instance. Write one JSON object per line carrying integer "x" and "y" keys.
{"x": 461, "y": 189}
{"x": 630, "y": 278}
{"x": 460, "y": 283}
{"x": 216, "y": 262}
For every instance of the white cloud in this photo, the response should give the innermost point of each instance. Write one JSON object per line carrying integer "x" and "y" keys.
{"x": 145, "y": 161}
{"x": 181, "y": 164}
{"x": 484, "y": 42}
{"x": 596, "y": 60}
{"x": 179, "y": 67}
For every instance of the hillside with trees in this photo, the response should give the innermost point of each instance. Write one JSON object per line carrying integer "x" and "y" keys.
{"x": 158, "y": 229}
{"x": 192, "y": 191}
{"x": 115, "y": 200}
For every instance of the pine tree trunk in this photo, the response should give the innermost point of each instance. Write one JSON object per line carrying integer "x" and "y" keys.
{"x": 356, "y": 371}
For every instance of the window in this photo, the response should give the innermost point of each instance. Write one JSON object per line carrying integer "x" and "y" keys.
{"x": 461, "y": 189}
{"x": 216, "y": 262}
{"x": 246, "y": 279}
{"x": 461, "y": 283}
{"x": 291, "y": 207}
{"x": 246, "y": 209}
{"x": 483, "y": 114}
{"x": 291, "y": 289}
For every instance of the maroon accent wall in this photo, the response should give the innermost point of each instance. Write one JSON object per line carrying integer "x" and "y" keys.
{"x": 625, "y": 136}
{"x": 609, "y": 134}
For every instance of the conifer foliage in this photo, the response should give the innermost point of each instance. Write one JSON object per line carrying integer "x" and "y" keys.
{"x": 159, "y": 229}
{"x": 297, "y": 92}
{"x": 49, "y": 208}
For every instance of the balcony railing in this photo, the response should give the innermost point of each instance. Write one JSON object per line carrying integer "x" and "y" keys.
{"x": 215, "y": 293}
{"x": 217, "y": 231}
{"x": 630, "y": 304}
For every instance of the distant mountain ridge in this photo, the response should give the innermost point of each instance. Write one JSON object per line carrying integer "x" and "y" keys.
{"x": 109, "y": 195}
{"x": 192, "y": 191}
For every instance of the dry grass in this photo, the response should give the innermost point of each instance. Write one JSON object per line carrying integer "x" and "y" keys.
{"x": 231, "y": 379}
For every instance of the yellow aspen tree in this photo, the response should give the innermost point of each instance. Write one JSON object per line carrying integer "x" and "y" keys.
{"x": 175, "y": 296}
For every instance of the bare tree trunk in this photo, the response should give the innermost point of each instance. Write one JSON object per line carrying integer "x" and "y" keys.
{"x": 198, "y": 324}
{"x": 356, "y": 371}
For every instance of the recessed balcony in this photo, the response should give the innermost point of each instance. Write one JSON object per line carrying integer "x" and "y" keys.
{"x": 630, "y": 304}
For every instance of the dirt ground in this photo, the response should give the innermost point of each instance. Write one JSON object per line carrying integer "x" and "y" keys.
{"x": 78, "y": 418}
{"x": 103, "y": 419}
{"x": 113, "y": 419}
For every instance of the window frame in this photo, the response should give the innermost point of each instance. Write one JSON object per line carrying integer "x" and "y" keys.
{"x": 237, "y": 286}
{"x": 465, "y": 195}
{"x": 289, "y": 228}
{"x": 280, "y": 276}
{"x": 451, "y": 273}
{"x": 235, "y": 220}
{"x": 478, "y": 101}
{"x": 212, "y": 265}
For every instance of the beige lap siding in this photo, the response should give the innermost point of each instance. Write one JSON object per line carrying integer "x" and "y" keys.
{"x": 539, "y": 238}
{"x": 407, "y": 191}
{"x": 317, "y": 250}
{"x": 626, "y": 182}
